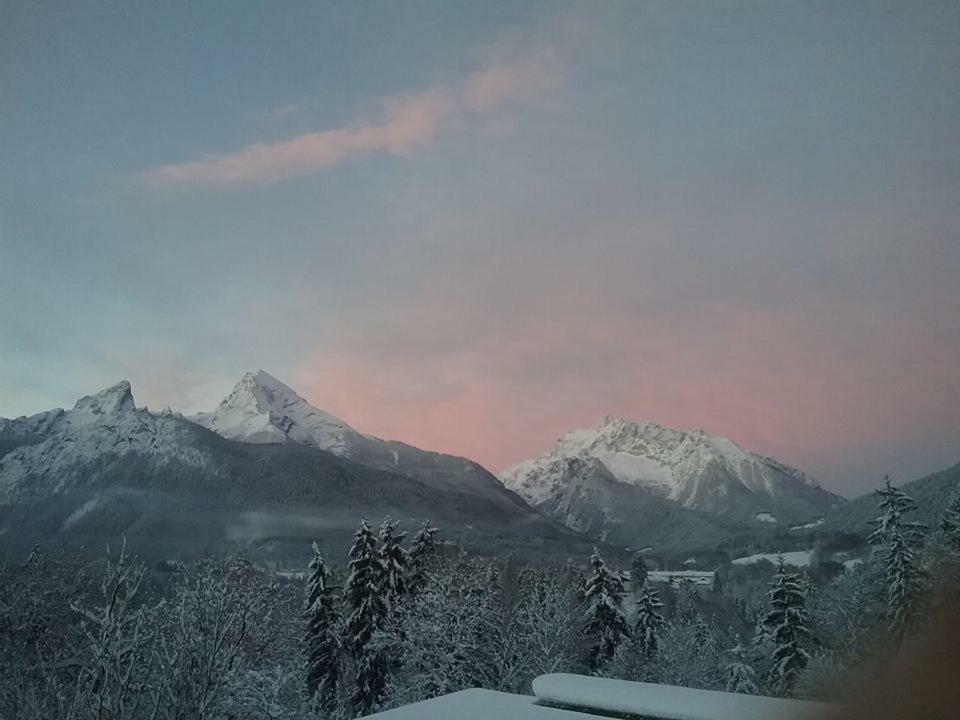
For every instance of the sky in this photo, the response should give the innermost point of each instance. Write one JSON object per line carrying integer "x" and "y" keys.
{"x": 476, "y": 226}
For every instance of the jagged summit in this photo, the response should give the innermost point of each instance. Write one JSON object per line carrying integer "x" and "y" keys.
{"x": 116, "y": 398}
{"x": 110, "y": 404}
{"x": 261, "y": 409}
{"x": 690, "y": 467}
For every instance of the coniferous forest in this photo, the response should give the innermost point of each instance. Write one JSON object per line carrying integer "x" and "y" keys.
{"x": 402, "y": 619}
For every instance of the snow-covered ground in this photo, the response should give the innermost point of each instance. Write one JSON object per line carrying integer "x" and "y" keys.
{"x": 476, "y": 704}
{"x": 797, "y": 558}
{"x": 622, "y": 697}
{"x": 563, "y": 696}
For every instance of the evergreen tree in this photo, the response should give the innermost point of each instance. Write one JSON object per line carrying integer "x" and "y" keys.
{"x": 701, "y": 631}
{"x": 741, "y": 677}
{"x": 646, "y": 627}
{"x": 788, "y": 627}
{"x": 424, "y": 550}
{"x": 494, "y": 582}
{"x": 950, "y": 525}
{"x": 761, "y": 634}
{"x": 606, "y": 623}
{"x": 367, "y": 614}
{"x": 322, "y": 642}
{"x": 896, "y": 540}
{"x": 394, "y": 561}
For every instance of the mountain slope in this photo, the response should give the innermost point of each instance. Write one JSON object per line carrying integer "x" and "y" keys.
{"x": 690, "y": 470}
{"x": 107, "y": 470}
{"x": 591, "y": 500}
{"x": 932, "y": 493}
{"x": 261, "y": 409}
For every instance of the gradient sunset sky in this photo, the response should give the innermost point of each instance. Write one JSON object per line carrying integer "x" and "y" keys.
{"x": 473, "y": 226}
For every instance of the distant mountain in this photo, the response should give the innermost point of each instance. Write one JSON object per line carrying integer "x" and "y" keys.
{"x": 623, "y": 476}
{"x": 932, "y": 493}
{"x": 588, "y": 498}
{"x": 107, "y": 470}
{"x": 261, "y": 409}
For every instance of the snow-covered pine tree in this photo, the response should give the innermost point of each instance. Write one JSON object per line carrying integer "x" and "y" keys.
{"x": 424, "y": 550}
{"x": 394, "y": 561}
{"x": 606, "y": 623}
{"x": 368, "y": 611}
{"x": 638, "y": 576}
{"x": 701, "y": 630}
{"x": 788, "y": 629}
{"x": 741, "y": 677}
{"x": 494, "y": 582}
{"x": 323, "y": 666}
{"x": 896, "y": 539}
{"x": 950, "y": 525}
{"x": 646, "y": 626}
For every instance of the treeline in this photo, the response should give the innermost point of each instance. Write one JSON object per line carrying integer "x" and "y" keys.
{"x": 404, "y": 621}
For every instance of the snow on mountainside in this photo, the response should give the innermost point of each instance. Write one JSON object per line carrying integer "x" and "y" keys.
{"x": 690, "y": 468}
{"x": 107, "y": 471}
{"x": 261, "y": 409}
{"x": 60, "y": 446}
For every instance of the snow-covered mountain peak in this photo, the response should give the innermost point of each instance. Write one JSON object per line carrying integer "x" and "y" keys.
{"x": 114, "y": 399}
{"x": 261, "y": 391}
{"x": 261, "y": 409}
{"x": 697, "y": 470}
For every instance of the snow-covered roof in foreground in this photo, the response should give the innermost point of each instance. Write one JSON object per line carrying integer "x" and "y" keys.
{"x": 583, "y": 697}
{"x": 669, "y": 702}
{"x": 479, "y": 704}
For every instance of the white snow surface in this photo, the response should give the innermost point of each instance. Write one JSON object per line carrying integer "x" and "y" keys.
{"x": 477, "y": 704}
{"x": 697, "y": 470}
{"x": 809, "y": 525}
{"x": 797, "y": 558}
{"x": 261, "y": 409}
{"x": 624, "y": 697}
{"x": 107, "y": 422}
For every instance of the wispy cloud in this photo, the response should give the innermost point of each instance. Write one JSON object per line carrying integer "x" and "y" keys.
{"x": 490, "y": 89}
{"x": 408, "y": 123}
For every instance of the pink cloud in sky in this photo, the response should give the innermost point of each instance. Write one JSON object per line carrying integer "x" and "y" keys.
{"x": 489, "y": 89}
{"x": 777, "y": 381}
{"x": 408, "y": 123}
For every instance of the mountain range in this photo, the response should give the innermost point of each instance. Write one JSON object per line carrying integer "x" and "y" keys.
{"x": 279, "y": 475}
{"x": 268, "y": 471}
